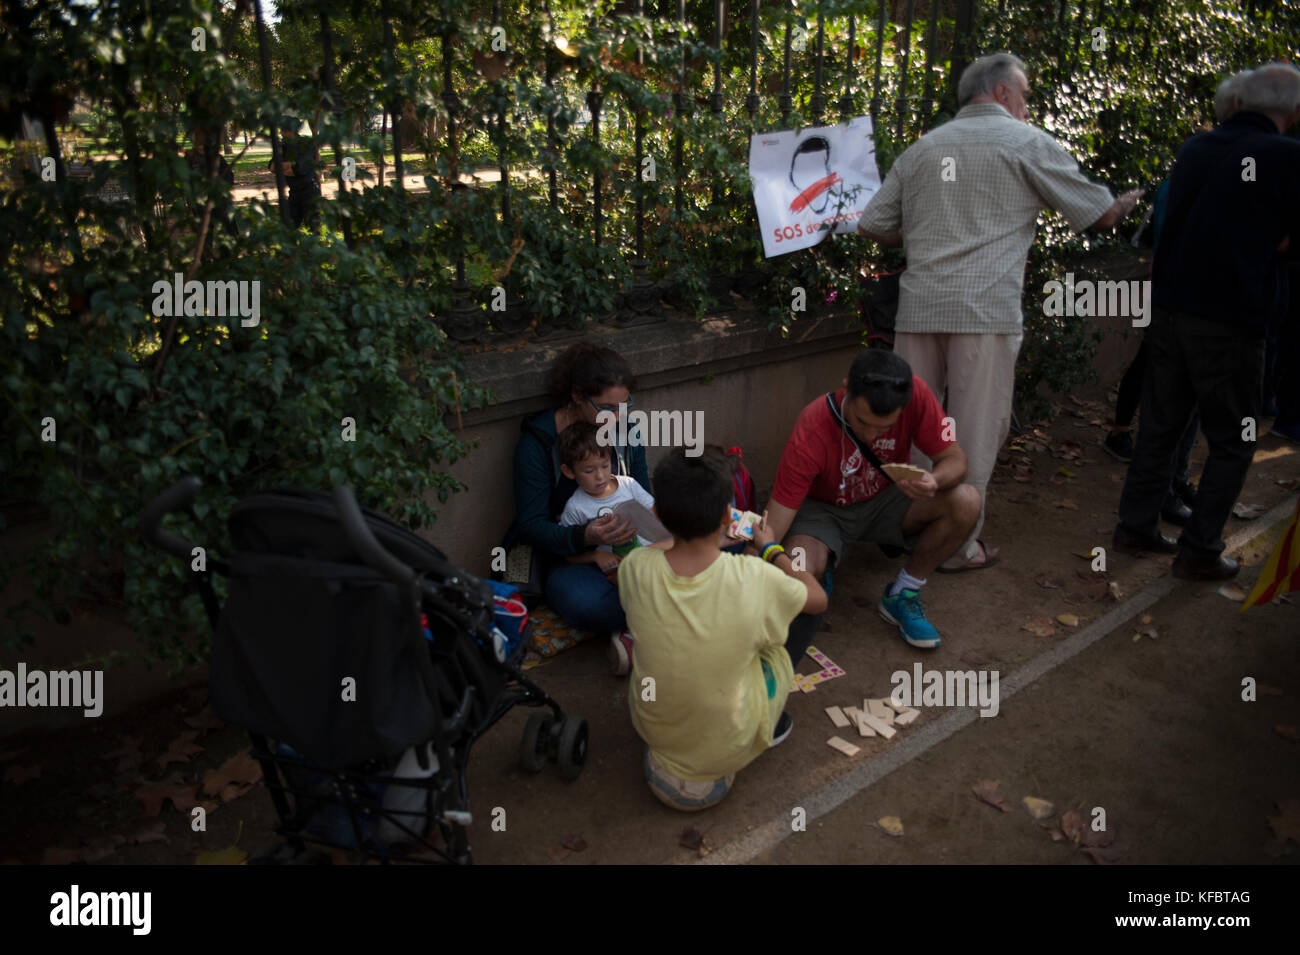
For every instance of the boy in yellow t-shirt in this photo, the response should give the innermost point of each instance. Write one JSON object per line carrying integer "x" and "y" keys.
{"x": 710, "y": 630}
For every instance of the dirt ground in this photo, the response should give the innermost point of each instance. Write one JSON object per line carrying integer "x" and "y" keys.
{"x": 1154, "y": 732}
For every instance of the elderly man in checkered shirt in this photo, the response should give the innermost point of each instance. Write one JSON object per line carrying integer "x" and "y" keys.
{"x": 965, "y": 198}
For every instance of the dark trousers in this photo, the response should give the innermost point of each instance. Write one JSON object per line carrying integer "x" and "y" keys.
{"x": 303, "y": 204}
{"x": 1194, "y": 364}
{"x": 1130, "y": 387}
{"x": 1126, "y": 406}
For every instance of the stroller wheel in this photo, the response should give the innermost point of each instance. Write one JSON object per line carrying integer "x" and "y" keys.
{"x": 536, "y": 744}
{"x": 573, "y": 746}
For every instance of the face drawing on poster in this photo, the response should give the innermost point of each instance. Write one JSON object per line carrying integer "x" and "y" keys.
{"x": 811, "y": 175}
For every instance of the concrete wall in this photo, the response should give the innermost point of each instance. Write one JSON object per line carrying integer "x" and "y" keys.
{"x": 750, "y": 386}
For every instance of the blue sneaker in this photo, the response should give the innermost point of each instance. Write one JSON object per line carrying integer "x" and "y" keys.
{"x": 904, "y": 610}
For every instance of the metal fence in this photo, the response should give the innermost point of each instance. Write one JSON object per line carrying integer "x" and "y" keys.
{"x": 873, "y": 66}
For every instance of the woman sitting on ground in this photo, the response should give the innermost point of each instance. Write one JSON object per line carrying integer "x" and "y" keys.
{"x": 584, "y": 380}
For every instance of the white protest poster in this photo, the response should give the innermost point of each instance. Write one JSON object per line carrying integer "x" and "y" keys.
{"x": 811, "y": 182}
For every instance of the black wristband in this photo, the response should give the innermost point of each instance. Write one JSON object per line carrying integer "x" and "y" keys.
{"x": 579, "y": 541}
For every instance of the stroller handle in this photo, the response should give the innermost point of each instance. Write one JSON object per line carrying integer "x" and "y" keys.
{"x": 177, "y": 496}
{"x": 363, "y": 539}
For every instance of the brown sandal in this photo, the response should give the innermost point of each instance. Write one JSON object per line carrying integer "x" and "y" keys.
{"x": 991, "y": 556}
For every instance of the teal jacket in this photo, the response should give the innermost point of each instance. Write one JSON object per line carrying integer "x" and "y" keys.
{"x": 541, "y": 491}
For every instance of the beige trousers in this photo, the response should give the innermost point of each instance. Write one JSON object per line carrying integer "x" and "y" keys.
{"x": 979, "y": 373}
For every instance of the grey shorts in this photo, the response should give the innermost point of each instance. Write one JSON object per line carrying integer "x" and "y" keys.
{"x": 879, "y": 520}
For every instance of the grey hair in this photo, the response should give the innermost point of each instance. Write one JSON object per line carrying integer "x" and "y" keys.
{"x": 985, "y": 73}
{"x": 1272, "y": 88}
{"x": 1227, "y": 98}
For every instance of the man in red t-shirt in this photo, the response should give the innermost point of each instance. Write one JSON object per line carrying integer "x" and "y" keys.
{"x": 827, "y": 493}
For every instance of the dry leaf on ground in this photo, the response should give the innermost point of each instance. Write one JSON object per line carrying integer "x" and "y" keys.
{"x": 1232, "y": 592}
{"x": 990, "y": 791}
{"x": 1047, "y": 582}
{"x": 1095, "y": 839}
{"x": 976, "y": 658}
{"x": 1069, "y": 619}
{"x": 204, "y": 720}
{"x": 891, "y": 825}
{"x": 1040, "y": 627}
{"x": 180, "y": 749}
{"x": 232, "y": 778}
{"x": 574, "y": 843}
{"x": 1247, "y": 512}
{"x": 231, "y": 855}
{"x": 184, "y": 797}
{"x": 1106, "y": 855}
{"x": 1286, "y": 731}
{"x": 1115, "y": 590}
{"x": 691, "y": 838}
{"x": 1038, "y": 809}
{"x": 1067, "y": 504}
{"x": 1072, "y": 824}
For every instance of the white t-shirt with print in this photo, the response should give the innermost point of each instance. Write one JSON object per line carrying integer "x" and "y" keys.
{"x": 582, "y": 507}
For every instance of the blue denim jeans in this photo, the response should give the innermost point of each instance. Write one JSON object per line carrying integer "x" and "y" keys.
{"x": 585, "y": 599}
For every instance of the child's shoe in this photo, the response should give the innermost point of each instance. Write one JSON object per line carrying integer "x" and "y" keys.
{"x": 783, "y": 727}
{"x": 620, "y": 653}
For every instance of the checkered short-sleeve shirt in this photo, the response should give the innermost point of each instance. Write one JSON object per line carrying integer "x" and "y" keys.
{"x": 966, "y": 197}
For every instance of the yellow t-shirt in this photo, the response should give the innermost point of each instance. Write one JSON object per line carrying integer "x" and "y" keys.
{"x": 701, "y": 639}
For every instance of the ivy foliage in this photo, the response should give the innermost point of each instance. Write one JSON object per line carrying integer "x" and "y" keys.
{"x": 109, "y": 399}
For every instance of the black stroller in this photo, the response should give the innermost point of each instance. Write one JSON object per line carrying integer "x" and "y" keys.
{"x": 364, "y": 666}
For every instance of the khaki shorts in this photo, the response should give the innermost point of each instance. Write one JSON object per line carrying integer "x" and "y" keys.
{"x": 879, "y": 520}
{"x": 683, "y": 794}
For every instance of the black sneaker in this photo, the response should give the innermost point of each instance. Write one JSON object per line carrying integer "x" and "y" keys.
{"x": 1131, "y": 543}
{"x": 1119, "y": 445}
{"x": 783, "y": 727}
{"x": 1221, "y": 568}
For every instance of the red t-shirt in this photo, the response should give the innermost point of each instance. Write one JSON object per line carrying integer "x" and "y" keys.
{"x": 818, "y": 453}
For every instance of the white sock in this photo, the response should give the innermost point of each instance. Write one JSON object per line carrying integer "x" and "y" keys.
{"x": 905, "y": 581}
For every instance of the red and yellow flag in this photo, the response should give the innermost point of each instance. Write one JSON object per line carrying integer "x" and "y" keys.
{"x": 1282, "y": 572}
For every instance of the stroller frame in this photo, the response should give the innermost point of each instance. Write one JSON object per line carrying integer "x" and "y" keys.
{"x": 459, "y": 600}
